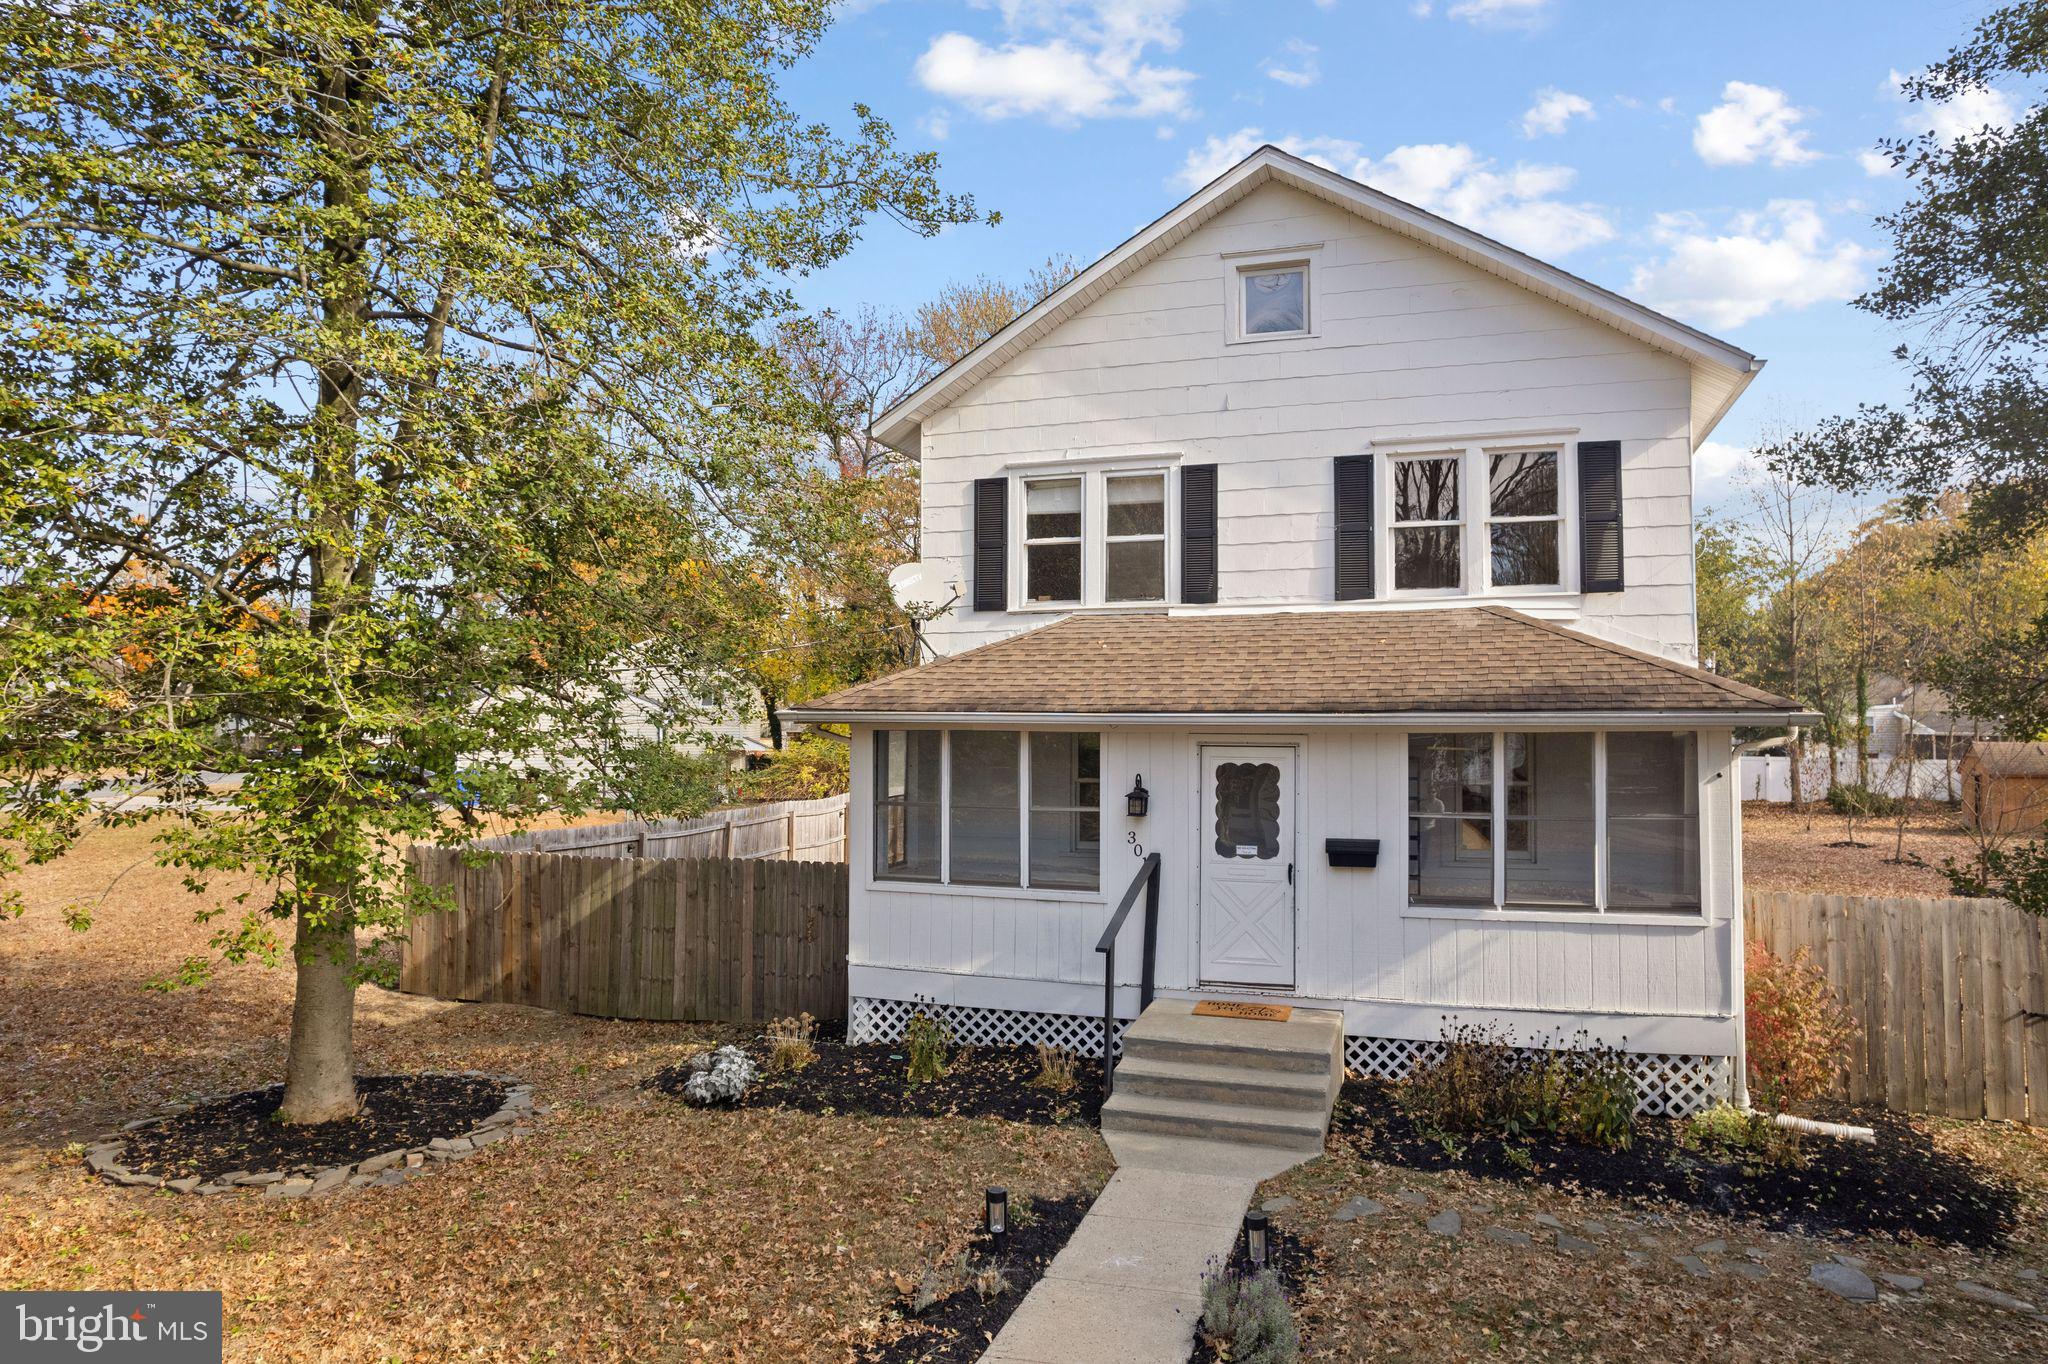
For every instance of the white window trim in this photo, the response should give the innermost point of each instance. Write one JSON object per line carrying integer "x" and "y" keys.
{"x": 1499, "y": 911}
{"x": 1238, "y": 264}
{"x": 1095, "y": 478}
{"x": 946, "y": 885}
{"x": 1475, "y": 564}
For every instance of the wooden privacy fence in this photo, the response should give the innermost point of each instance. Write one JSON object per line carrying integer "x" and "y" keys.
{"x": 1951, "y": 997}
{"x": 796, "y": 830}
{"x": 734, "y": 940}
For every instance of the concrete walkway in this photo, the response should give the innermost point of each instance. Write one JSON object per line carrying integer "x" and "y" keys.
{"x": 1127, "y": 1287}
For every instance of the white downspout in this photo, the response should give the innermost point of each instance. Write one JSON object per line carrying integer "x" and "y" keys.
{"x": 1739, "y": 1082}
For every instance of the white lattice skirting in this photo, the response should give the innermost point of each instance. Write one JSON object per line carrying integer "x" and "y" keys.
{"x": 1672, "y": 1086}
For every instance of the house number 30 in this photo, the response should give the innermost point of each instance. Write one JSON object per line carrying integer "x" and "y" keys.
{"x": 1137, "y": 848}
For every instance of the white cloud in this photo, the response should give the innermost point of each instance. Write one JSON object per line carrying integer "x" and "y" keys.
{"x": 1294, "y": 64}
{"x": 1778, "y": 259}
{"x": 1064, "y": 61}
{"x": 1517, "y": 204}
{"x": 1553, "y": 112}
{"x": 1499, "y": 12}
{"x": 1714, "y": 460}
{"x": 1752, "y": 122}
{"x": 1875, "y": 163}
{"x": 1970, "y": 112}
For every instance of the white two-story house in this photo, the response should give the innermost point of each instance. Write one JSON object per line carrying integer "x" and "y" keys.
{"x": 1353, "y": 549}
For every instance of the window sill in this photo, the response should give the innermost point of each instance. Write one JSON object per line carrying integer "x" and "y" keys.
{"x": 955, "y": 892}
{"x": 1693, "y": 920}
{"x": 1272, "y": 338}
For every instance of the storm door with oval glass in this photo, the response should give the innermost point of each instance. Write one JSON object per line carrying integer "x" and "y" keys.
{"x": 1247, "y": 866}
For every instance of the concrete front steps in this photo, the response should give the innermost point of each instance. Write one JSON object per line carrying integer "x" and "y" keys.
{"x": 1228, "y": 1080}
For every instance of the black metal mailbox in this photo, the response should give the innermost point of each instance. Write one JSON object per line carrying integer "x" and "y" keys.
{"x": 1353, "y": 852}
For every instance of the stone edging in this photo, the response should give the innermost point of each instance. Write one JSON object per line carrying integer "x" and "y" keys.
{"x": 514, "y": 1118}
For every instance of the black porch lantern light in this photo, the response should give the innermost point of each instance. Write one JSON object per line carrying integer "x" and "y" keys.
{"x": 1139, "y": 798}
{"x": 996, "y": 1216}
{"x": 1255, "y": 1239}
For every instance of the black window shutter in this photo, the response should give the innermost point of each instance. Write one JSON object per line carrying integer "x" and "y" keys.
{"x": 991, "y": 544}
{"x": 1354, "y": 527}
{"x": 1600, "y": 515}
{"x": 1198, "y": 533}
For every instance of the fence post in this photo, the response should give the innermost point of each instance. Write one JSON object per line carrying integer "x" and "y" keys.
{"x": 789, "y": 847}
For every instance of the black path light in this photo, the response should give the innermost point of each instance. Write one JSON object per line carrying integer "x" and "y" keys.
{"x": 996, "y": 1216}
{"x": 1138, "y": 799}
{"x": 1255, "y": 1239}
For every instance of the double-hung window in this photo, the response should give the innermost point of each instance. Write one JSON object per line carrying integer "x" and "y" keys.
{"x": 1561, "y": 821}
{"x": 1134, "y": 538}
{"x": 1053, "y": 517}
{"x": 982, "y": 807}
{"x": 1523, "y": 520}
{"x": 1428, "y": 531}
{"x": 1096, "y": 537}
{"x": 1513, "y": 542}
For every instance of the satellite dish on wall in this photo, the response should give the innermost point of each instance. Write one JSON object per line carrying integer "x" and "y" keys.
{"x": 921, "y": 588}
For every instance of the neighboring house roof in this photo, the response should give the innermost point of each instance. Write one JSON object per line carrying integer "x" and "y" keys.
{"x": 2010, "y": 758}
{"x": 1483, "y": 660}
{"x": 1720, "y": 370}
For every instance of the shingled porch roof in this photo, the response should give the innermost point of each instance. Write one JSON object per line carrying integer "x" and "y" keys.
{"x": 1375, "y": 665}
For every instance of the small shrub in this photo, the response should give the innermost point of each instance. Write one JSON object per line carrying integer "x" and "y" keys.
{"x": 1055, "y": 1070}
{"x": 1461, "y": 1087}
{"x": 810, "y": 766}
{"x": 1246, "y": 1318}
{"x": 1480, "y": 1083}
{"x": 718, "y": 1077}
{"x": 926, "y": 1040}
{"x": 1724, "y": 1132}
{"x": 790, "y": 1043}
{"x": 1798, "y": 1031}
{"x": 2017, "y": 874}
{"x": 1859, "y": 802}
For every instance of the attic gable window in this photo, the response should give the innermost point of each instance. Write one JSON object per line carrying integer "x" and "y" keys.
{"x": 1275, "y": 301}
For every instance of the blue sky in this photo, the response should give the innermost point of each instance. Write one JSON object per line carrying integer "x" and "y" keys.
{"x": 1712, "y": 162}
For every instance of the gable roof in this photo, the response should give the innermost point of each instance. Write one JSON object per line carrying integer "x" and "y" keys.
{"x": 2010, "y": 757}
{"x": 1720, "y": 371}
{"x": 1355, "y": 665}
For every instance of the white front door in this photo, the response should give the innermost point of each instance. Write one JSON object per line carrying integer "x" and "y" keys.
{"x": 1247, "y": 842}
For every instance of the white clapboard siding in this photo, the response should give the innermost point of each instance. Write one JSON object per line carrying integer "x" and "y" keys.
{"x": 1410, "y": 342}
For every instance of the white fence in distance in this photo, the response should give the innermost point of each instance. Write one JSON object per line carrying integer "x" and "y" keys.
{"x": 1768, "y": 776}
{"x": 789, "y": 831}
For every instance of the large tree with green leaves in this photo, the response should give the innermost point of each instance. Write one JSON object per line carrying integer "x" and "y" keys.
{"x": 375, "y": 382}
{"x": 1968, "y": 282}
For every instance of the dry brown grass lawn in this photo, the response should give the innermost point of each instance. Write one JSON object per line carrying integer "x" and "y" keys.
{"x": 1783, "y": 850}
{"x": 626, "y": 1228}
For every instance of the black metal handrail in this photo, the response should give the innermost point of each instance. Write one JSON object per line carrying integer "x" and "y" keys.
{"x": 1147, "y": 880}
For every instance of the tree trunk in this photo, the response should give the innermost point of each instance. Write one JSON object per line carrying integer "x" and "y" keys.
{"x": 320, "y": 1072}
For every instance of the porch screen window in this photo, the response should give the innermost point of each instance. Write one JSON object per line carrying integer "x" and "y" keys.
{"x": 1066, "y": 811}
{"x": 907, "y": 765}
{"x": 986, "y": 787}
{"x": 1653, "y": 822}
{"x": 1523, "y": 519}
{"x": 1135, "y": 539}
{"x": 1554, "y": 821}
{"x": 1052, "y": 540}
{"x": 1428, "y": 532}
{"x": 977, "y": 807}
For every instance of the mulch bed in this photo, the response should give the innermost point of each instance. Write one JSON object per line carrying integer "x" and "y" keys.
{"x": 1288, "y": 1255}
{"x": 957, "y": 1328}
{"x": 1901, "y": 1188}
{"x": 867, "y": 1078}
{"x": 237, "y": 1131}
